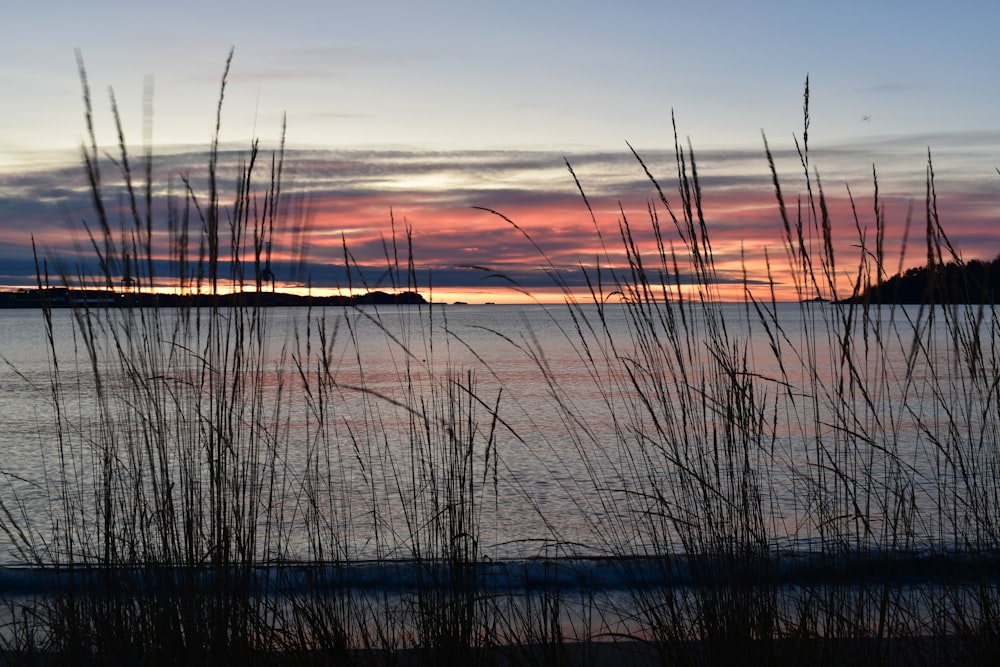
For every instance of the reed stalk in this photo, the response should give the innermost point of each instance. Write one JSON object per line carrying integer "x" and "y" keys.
{"x": 767, "y": 488}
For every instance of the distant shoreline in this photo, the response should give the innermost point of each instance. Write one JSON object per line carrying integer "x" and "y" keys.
{"x": 65, "y": 297}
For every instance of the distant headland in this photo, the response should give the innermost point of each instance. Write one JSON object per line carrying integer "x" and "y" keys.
{"x": 974, "y": 281}
{"x": 65, "y": 297}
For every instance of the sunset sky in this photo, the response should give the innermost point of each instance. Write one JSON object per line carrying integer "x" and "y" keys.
{"x": 425, "y": 113}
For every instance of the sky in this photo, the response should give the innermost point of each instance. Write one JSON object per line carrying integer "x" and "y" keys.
{"x": 411, "y": 118}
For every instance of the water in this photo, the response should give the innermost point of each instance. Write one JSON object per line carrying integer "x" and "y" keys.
{"x": 609, "y": 439}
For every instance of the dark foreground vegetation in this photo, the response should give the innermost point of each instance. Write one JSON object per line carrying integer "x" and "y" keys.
{"x": 202, "y": 507}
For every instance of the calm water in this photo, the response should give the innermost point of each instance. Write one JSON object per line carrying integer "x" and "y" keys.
{"x": 841, "y": 439}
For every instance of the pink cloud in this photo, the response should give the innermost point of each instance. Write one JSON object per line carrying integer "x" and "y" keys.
{"x": 355, "y": 197}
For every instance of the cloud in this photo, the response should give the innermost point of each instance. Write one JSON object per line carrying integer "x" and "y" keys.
{"x": 377, "y": 202}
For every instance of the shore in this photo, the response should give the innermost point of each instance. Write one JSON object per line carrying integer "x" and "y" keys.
{"x": 807, "y": 652}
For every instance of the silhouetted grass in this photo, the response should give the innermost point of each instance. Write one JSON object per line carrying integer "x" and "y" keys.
{"x": 770, "y": 484}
